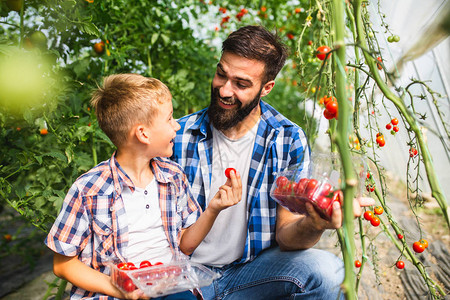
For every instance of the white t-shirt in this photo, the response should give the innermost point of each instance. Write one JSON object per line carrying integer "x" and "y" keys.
{"x": 147, "y": 239}
{"x": 226, "y": 241}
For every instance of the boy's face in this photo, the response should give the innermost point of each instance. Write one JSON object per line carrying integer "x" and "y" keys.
{"x": 163, "y": 130}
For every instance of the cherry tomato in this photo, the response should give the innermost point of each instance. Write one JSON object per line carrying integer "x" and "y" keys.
{"x": 332, "y": 107}
{"x": 311, "y": 188}
{"x": 388, "y": 126}
{"x": 400, "y": 236}
{"x": 378, "y": 210}
{"x": 301, "y": 186}
{"x": 323, "y": 202}
{"x": 396, "y": 129}
{"x": 144, "y": 264}
{"x": 379, "y": 65}
{"x": 394, "y": 121}
{"x": 99, "y": 47}
{"x": 368, "y": 215}
{"x": 158, "y": 263}
{"x": 358, "y": 264}
{"x": 375, "y": 221}
{"x": 290, "y": 36}
{"x": 128, "y": 285}
{"x": 418, "y": 247}
{"x": 322, "y": 52}
{"x": 400, "y": 264}
{"x": 326, "y": 188}
{"x": 43, "y": 131}
{"x": 228, "y": 171}
{"x": 123, "y": 266}
{"x": 424, "y": 242}
{"x": 381, "y": 141}
{"x": 328, "y": 115}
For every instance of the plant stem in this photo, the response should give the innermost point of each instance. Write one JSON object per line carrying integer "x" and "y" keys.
{"x": 350, "y": 181}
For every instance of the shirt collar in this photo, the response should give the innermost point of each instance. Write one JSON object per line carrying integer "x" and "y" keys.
{"x": 121, "y": 178}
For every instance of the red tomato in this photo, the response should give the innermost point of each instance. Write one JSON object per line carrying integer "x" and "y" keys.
{"x": 290, "y": 36}
{"x": 311, "y": 188}
{"x": 282, "y": 181}
{"x": 388, "y": 126}
{"x": 368, "y": 215}
{"x": 379, "y": 65}
{"x": 375, "y": 221}
{"x": 326, "y": 189}
{"x": 128, "y": 285}
{"x": 400, "y": 236}
{"x": 396, "y": 129}
{"x": 144, "y": 264}
{"x": 418, "y": 247}
{"x": 380, "y": 141}
{"x": 301, "y": 186}
{"x": 323, "y": 202}
{"x": 424, "y": 243}
{"x": 400, "y": 264}
{"x": 332, "y": 107}
{"x": 328, "y": 115}
{"x": 228, "y": 171}
{"x": 43, "y": 131}
{"x": 322, "y": 52}
{"x": 123, "y": 266}
{"x": 158, "y": 263}
{"x": 378, "y": 210}
{"x": 394, "y": 121}
{"x": 358, "y": 264}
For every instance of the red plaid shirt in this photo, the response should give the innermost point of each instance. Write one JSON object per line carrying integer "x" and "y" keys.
{"x": 91, "y": 223}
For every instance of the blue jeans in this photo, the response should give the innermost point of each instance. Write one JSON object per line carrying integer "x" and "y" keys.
{"x": 275, "y": 274}
{"x": 178, "y": 296}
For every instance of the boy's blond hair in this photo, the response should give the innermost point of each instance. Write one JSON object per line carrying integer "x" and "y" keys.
{"x": 125, "y": 100}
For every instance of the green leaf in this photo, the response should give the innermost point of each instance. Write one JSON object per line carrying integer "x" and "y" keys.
{"x": 154, "y": 38}
{"x": 90, "y": 28}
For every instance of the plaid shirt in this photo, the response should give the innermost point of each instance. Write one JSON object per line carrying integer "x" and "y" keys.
{"x": 92, "y": 221}
{"x": 279, "y": 144}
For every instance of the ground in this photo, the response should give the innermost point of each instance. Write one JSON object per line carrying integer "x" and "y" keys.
{"x": 19, "y": 281}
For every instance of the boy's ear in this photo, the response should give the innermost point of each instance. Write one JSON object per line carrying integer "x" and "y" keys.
{"x": 142, "y": 134}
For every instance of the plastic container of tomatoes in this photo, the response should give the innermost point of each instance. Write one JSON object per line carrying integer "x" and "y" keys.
{"x": 162, "y": 279}
{"x": 319, "y": 185}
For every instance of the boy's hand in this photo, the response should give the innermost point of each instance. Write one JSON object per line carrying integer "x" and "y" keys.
{"x": 228, "y": 195}
{"x": 135, "y": 295}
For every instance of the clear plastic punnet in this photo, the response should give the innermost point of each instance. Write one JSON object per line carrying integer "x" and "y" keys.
{"x": 319, "y": 185}
{"x": 162, "y": 279}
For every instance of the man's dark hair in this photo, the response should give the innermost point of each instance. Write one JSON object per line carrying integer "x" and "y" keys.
{"x": 256, "y": 42}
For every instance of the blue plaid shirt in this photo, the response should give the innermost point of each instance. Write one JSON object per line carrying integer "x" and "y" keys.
{"x": 279, "y": 144}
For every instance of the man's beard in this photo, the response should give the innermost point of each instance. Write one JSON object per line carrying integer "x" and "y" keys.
{"x": 223, "y": 119}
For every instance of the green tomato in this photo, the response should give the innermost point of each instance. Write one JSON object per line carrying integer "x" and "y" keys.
{"x": 390, "y": 39}
{"x": 38, "y": 39}
{"x": 396, "y": 38}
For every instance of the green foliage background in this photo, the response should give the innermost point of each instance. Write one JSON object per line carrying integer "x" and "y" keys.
{"x": 175, "y": 41}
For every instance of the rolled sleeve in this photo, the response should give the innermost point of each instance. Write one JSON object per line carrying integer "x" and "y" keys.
{"x": 71, "y": 228}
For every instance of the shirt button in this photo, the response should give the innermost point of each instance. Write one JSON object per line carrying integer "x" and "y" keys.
{"x": 145, "y": 192}
{"x": 147, "y": 206}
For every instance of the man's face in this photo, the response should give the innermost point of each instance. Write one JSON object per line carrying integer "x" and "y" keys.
{"x": 236, "y": 90}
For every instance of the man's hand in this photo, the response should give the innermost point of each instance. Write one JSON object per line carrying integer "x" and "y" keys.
{"x": 336, "y": 217}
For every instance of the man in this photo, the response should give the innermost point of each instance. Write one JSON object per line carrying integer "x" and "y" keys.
{"x": 251, "y": 244}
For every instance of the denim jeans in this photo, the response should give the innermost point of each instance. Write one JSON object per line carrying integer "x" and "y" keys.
{"x": 178, "y": 296}
{"x": 275, "y": 274}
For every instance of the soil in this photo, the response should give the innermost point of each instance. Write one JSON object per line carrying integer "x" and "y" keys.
{"x": 379, "y": 278}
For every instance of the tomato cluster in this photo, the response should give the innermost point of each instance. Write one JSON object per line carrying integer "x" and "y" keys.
{"x": 413, "y": 152}
{"x": 293, "y": 195}
{"x": 372, "y": 216}
{"x": 121, "y": 277}
{"x": 331, "y": 108}
{"x": 394, "y": 128}
{"x": 380, "y": 140}
{"x": 420, "y": 245}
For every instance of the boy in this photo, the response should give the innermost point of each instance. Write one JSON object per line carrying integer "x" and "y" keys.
{"x": 137, "y": 205}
